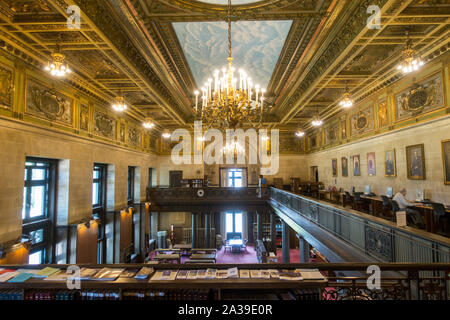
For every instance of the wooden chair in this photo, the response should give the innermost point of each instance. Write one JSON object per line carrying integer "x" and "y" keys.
{"x": 227, "y": 246}
{"x": 358, "y": 203}
{"x": 441, "y": 218}
{"x": 244, "y": 245}
{"x": 387, "y": 207}
{"x": 347, "y": 199}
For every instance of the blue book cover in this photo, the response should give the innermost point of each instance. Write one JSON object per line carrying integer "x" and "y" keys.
{"x": 21, "y": 277}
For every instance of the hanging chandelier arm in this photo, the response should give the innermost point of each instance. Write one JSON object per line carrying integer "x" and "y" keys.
{"x": 229, "y": 28}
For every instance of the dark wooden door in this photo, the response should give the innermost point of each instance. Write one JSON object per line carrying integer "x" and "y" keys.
{"x": 175, "y": 178}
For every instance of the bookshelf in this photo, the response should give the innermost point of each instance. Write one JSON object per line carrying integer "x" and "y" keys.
{"x": 194, "y": 183}
{"x": 133, "y": 289}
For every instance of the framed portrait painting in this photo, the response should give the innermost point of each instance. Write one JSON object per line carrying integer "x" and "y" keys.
{"x": 390, "y": 168}
{"x": 356, "y": 165}
{"x": 446, "y": 160}
{"x": 334, "y": 167}
{"x": 415, "y": 162}
{"x": 344, "y": 163}
{"x": 371, "y": 163}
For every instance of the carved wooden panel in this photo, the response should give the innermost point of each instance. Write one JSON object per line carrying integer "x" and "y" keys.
{"x": 362, "y": 121}
{"x": 48, "y": 103}
{"x": 6, "y": 87}
{"x": 134, "y": 136}
{"x": 383, "y": 119}
{"x": 420, "y": 98}
{"x": 332, "y": 133}
{"x": 104, "y": 125}
{"x": 84, "y": 117}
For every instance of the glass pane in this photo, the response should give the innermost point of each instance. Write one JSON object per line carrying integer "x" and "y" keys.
{"x": 35, "y": 258}
{"x": 37, "y": 236}
{"x": 238, "y": 222}
{"x": 228, "y": 222}
{"x": 238, "y": 182}
{"x": 96, "y": 174}
{"x": 37, "y": 201}
{"x": 38, "y": 174}
{"x": 95, "y": 192}
{"x": 24, "y": 202}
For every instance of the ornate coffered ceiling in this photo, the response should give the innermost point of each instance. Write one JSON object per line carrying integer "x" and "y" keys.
{"x": 140, "y": 47}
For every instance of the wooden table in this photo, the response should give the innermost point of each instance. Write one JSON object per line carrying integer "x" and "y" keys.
{"x": 323, "y": 195}
{"x": 203, "y": 256}
{"x": 184, "y": 248}
{"x": 168, "y": 257}
{"x": 428, "y": 212}
{"x": 376, "y": 204}
{"x": 236, "y": 245}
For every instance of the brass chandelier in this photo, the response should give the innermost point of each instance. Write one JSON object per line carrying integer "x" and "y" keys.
{"x": 227, "y": 103}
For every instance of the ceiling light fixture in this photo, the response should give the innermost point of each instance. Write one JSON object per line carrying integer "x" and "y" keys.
{"x": 229, "y": 102}
{"x": 410, "y": 61}
{"x": 346, "y": 101}
{"x": 119, "y": 104}
{"x": 299, "y": 133}
{"x": 56, "y": 66}
{"x": 148, "y": 125}
{"x": 166, "y": 135}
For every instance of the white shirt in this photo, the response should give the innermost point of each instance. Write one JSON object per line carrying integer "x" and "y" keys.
{"x": 400, "y": 199}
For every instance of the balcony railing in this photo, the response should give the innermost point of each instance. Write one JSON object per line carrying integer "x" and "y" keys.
{"x": 374, "y": 236}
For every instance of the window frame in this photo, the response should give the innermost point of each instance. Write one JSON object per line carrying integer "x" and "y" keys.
{"x": 99, "y": 209}
{"x": 45, "y": 221}
{"x": 130, "y": 188}
{"x": 234, "y": 213}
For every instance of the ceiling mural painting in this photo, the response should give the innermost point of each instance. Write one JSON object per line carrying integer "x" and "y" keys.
{"x": 256, "y": 47}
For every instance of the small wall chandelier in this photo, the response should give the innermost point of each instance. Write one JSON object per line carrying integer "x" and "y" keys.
{"x": 233, "y": 147}
{"x": 56, "y": 66}
{"x": 119, "y": 104}
{"x": 229, "y": 102}
{"x": 166, "y": 135}
{"x": 410, "y": 61}
{"x": 299, "y": 133}
{"x": 316, "y": 121}
{"x": 148, "y": 124}
{"x": 346, "y": 101}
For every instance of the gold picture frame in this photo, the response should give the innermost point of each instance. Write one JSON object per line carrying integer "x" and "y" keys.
{"x": 415, "y": 162}
{"x": 344, "y": 166}
{"x": 371, "y": 165}
{"x": 445, "y": 146}
{"x": 334, "y": 169}
{"x": 356, "y": 165}
{"x": 390, "y": 163}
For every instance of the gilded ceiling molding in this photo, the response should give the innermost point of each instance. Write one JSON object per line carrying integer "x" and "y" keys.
{"x": 353, "y": 26}
{"x": 108, "y": 26}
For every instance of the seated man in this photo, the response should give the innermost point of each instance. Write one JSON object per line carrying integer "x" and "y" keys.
{"x": 403, "y": 203}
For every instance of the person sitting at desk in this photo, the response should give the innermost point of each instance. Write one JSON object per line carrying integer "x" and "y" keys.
{"x": 403, "y": 203}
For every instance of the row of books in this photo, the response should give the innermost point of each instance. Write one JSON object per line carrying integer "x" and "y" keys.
{"x": 234, "y": 273}
{"x": 111, "y": 274}
{"x": 56, "y": 274}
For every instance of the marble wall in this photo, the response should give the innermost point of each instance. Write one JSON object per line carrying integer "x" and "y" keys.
{"x": 430, "y": 134}
{"x": 18, "y": 140}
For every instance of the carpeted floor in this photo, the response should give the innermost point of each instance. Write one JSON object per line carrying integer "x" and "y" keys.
{"x": 246, "y": 257}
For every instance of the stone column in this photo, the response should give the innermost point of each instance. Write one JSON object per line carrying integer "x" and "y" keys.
{"x": 273, "y": 231}
{"x": 194, "y": 230}
{"x": 285, "y": 242}
{"x": 304, "y": 249}
{"x": 207, "y": 230}
{"x": 259, "y": 226}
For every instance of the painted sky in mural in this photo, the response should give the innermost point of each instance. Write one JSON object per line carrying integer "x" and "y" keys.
{"x": 256, "y": 47}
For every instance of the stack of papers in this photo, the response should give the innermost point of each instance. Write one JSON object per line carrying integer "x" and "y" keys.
{"x": 255, "y": 274}
{"x": 274, "y": 273}
{"x": 60, "y": 276}
{"x": 7, "y": 274}
{"x": 21, "y": 277}
{"x": 233, "y": 273}
{"x": 46, "y": 272}
{"x": 201, "y": 274}
{"x": 144, "y": 273}
{"x": 290, "y": 275}
{"x": 310, "y": 274}
{"x": 192, "y": 275}
{"x": 244, "y": 274}
{"x": 211, "y": 273}
{"x": 87, "y": 273}
{"x": 222, "y": 274}
{"x": 108, "y": 274}
{"x": 182, "y": 274}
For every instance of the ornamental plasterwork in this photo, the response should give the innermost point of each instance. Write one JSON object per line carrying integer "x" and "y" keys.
{"x": 419, "y": 98}
{"x": 104, "y": 125}
{"x": 6, "y": 87}
{"x": 48, "y": 103}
